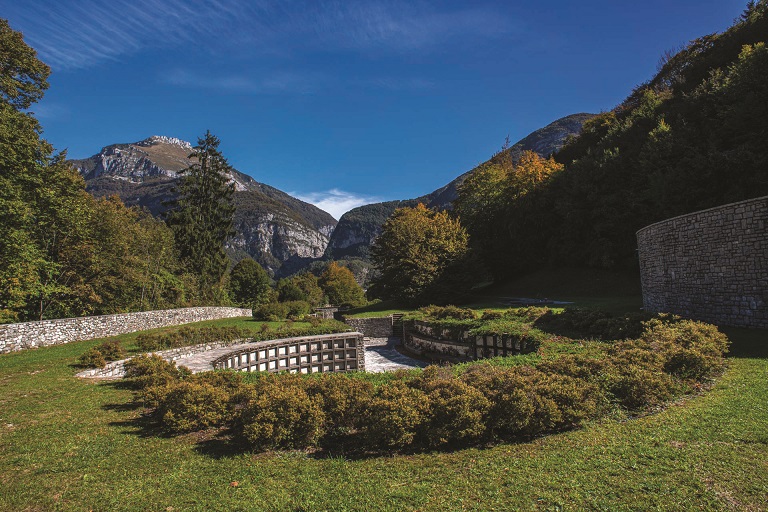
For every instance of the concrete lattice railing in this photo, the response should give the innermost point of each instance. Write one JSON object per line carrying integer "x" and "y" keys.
{"x": 325, "y": 353}
{"x": 43, "y": 333}
{"x": 710, "y": 265}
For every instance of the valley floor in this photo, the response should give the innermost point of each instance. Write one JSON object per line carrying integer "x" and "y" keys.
{"x": 70, "y": 444}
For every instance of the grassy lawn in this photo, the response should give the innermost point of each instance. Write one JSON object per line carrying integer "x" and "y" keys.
{"x": 67, "y": 444}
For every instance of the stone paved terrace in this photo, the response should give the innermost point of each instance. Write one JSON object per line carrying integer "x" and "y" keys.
{"x": 380, "y": 356}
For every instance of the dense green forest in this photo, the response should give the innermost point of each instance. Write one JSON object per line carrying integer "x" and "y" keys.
{"x": 693, "y": 137}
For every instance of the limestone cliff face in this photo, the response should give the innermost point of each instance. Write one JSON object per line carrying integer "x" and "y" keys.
{"x": 271, "y": 226}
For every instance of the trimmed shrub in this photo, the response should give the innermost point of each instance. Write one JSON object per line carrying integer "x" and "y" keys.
{"x": 282, "y": 415}
{"x": 395, "y": 416}
{"x": 297, "y": 309}
{"x": 186, "y": 336}
{"x": 691, "y": 364}
{"x": 456, "y": 410}
{"x": 111, "y": 350}
{"x": 192, "y": 405}
{"x": 92, "y": 358}
{"x": 344, "y": 400}
{"x": 272, "y": 312}
{"x": 574, "y": 365}
{"x": 445, "y": 312}
{"x": 635, "y": 387}
{"x": 576, "y": 399}
{"x": 491, "y": 315}
{"x": 590, "y": 323}
{"x": 688, "y": 334}
{"x": 151, "y": 371}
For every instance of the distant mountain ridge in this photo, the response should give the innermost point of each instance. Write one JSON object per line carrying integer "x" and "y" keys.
{"x": 271, "y": 226}
{"x": 357, "y": 229}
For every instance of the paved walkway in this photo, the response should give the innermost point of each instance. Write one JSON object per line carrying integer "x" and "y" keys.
{"x": 202, "y": 361}
{"x": 380, "y": 356}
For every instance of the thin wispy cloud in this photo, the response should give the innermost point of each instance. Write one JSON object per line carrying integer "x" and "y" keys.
{"x": 71, "y": 34}
{"x": 271, "y": 83}
{"x": 336, "y": 202}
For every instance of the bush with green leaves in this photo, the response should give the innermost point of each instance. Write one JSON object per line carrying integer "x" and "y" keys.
{"x": 457, "y": 411}
{"x": 187, "y": 336}
{"x": 152, "y": 370}
{"x": 272, "y": 312}
{"x": 92, "y": 358}
{"x": 439, "y": 408}
{"x": 100, "y": 355}
{"x": 191, "y": 405}
{"x": 443, "y": 312}
{"x": 344, "y": 400}
{"x": 297, "y": 309}
{"x": 395, "y": 416}
{"x": 281, "y": 415}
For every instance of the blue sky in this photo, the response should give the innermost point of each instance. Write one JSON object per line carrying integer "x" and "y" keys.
{"x": 344, "y": 102}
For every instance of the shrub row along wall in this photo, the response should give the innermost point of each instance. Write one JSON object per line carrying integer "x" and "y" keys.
{"x": 371, "y": 327}
{"x": 325, "y": 353}
{"x": 43, "y": 333}
{"x": 710, "y": 265}
{"x": 429, "y": 342}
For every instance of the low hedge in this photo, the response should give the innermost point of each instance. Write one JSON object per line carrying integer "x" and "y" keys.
{"x": 438, "y": 408}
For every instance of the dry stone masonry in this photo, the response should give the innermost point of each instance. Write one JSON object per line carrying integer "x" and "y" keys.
{"x": 371, "y": 327}
{"x": 710, "y": 265}
{"x": 25, "y": 335}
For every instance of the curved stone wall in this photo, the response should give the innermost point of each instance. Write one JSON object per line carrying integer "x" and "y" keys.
{"x": 25, "y": 335}
{"x": 326, "y": 353}
{"x": 710, "y": 265}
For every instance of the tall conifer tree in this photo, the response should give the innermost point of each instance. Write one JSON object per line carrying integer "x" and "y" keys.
{"x": 202, "y": 214}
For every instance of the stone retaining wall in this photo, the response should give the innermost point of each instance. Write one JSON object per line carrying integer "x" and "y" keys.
{"x": 327, "y": 353}
{"x": 710, "y": 265}
{"x": 43, "y": 333}
{"x": 371, "y": 327}
{"x": 453, "y": 345}
{"x": 116, "y": 369}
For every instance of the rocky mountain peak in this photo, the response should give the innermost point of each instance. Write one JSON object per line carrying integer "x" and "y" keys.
{"x": 163, "y": 139}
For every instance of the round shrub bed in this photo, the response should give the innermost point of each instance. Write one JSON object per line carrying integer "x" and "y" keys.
{"x": 440, "y": 407}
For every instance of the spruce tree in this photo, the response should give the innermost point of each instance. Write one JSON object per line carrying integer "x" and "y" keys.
{"x": 201, "y": 216}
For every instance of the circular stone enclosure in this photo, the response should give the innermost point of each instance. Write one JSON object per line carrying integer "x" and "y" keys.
{"x": 710, "y": 265}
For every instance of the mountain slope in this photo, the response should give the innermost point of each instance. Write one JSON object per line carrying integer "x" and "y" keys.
{"x": 272, "y": 227}
{"x": 357, "y": 228}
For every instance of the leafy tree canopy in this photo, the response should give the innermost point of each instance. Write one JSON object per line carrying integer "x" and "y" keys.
{"x": 249, "y": 283}
{"x": 23, "y": 78}
{"x": 339, "y": 285}
{"x": 419, "y": 252}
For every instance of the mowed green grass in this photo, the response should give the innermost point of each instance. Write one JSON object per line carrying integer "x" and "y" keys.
{"x": 68, "y": 444}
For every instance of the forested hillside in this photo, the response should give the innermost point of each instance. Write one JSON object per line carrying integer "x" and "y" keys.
{"x": 359, "y": 227}
{"x": 692, "y": 137}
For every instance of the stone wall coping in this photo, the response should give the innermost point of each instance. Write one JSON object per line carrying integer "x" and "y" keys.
{"x": 116, "y": 316}
{"x": 720, "y": 207}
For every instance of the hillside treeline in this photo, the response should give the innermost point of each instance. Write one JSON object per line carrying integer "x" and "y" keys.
{"x": 693, "y": 137}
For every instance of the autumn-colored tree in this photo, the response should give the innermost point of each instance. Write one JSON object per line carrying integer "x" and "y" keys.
{"x": 339, "y": 285}
{"x": 421, "y": 256}
{"x": 492, "y": 203}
